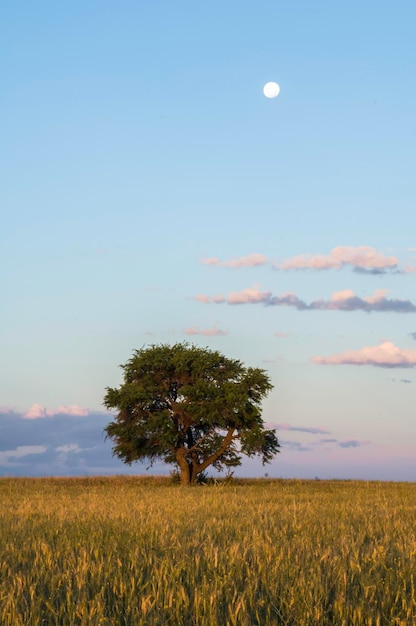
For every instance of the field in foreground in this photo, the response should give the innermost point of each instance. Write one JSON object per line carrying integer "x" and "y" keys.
{"x": 132, "y": 551}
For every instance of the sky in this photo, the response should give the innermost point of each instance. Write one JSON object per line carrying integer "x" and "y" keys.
{"x": 152, "y": 194}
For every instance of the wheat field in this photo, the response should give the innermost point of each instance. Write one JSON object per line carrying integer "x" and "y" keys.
{"x": 135, "y": 551}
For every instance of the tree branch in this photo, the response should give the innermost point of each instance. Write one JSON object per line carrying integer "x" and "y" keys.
{"x": 200, "y": 440}
{"x": 216, "y": 455}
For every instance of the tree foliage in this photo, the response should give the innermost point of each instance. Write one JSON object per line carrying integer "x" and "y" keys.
{"x": 189, "y": 406}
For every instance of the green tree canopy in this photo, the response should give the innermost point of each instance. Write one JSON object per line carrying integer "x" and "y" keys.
{"x": 189, "y": 406}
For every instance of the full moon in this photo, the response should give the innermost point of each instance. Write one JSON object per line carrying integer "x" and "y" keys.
{"x": 271, "y": 90}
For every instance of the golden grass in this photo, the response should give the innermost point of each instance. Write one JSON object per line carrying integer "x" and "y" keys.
{"x": 133, "y": 551}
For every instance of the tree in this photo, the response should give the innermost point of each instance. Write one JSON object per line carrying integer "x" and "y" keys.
{"x": 189, "y": 406}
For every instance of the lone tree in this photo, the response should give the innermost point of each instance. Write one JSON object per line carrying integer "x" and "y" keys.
{"x": 189, "y": 406}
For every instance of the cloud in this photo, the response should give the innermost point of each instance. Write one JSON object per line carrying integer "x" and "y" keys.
{"x": 252, "y": 260}
{"x": 288, "y": 299}
{"x": 72, "y": 409}
{"x": 352, "y": 443}
{"x": 360, "y": 258}
{"x": 69, "y": 447}
{"x": 7, "y": 457}
{"x": 37, "y": 411}
{"x": 209, "y": 300}
{"x": 412, "y": 335}
{"x": 249, "y": 296}
{"x": 295, "y": 446}
{"x": 345, "y": 300}
{"x": 209, "y": 332}
{"x": 281, "y": 335}
{"x": 405, "y": 380}
{"x": 384, "y": 355}
{"x": 62, "y": 445}
{"x": 302, "y": 429}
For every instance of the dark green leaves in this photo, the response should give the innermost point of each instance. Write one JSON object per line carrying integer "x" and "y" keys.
{"x": 181, "y": 401}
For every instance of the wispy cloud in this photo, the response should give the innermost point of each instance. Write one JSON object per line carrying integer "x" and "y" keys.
{"x": 252, "y": 260}
{"x": 208, "y": 332}
{"x": 412, "y": 335}
{"x": 37, "y": 411}
{"x": 68, "y": 447}
{"x": 345, "y": 300}
{"x": 281, "y": 335}
{"x": 301, "y": 429}
{"x": 326, "y": 440}
{"x": 205, "y": 299}
{"x": 295, "y": 446}
{"x": 8, "y": 457}
{"x": 360, "y": 258}
{"x": 353, "y": 443}
{"x": 384, "y": 355}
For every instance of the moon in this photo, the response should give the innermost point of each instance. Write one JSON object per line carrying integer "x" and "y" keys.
{"x": 271, "y": 90}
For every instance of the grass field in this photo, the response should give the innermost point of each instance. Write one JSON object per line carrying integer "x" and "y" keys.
{"x": 132, "y": 551}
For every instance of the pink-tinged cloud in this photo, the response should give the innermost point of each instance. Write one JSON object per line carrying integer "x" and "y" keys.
{"x": 72, "y": 409}
{"x": 360, "y": 257}
{"x": 281, "y": 335}
{"x": 345, "y": 300}
{"x": 209, "y": 332}
{"x": 6, "y": 409}
{"x": 209, "y": 299}
{"x": 409, "y": 269}
{"x": 384, "y": 355}
{"x": 203, "y": 298}
{"x": 249, "y": 296}
{"x": 37, "y": 411}
{"x": 252, "y": 260}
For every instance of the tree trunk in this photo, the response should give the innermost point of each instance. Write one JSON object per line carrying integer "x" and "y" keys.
{"x": 193, "y": 474}
{"x": 184, "y": 467}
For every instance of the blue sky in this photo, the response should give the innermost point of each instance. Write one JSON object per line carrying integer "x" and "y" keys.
{"x": 151, "y": 193}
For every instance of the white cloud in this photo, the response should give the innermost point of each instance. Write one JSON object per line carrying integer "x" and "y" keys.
{"x": 18, "y": 453}
{"x": 68, "y": 447}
